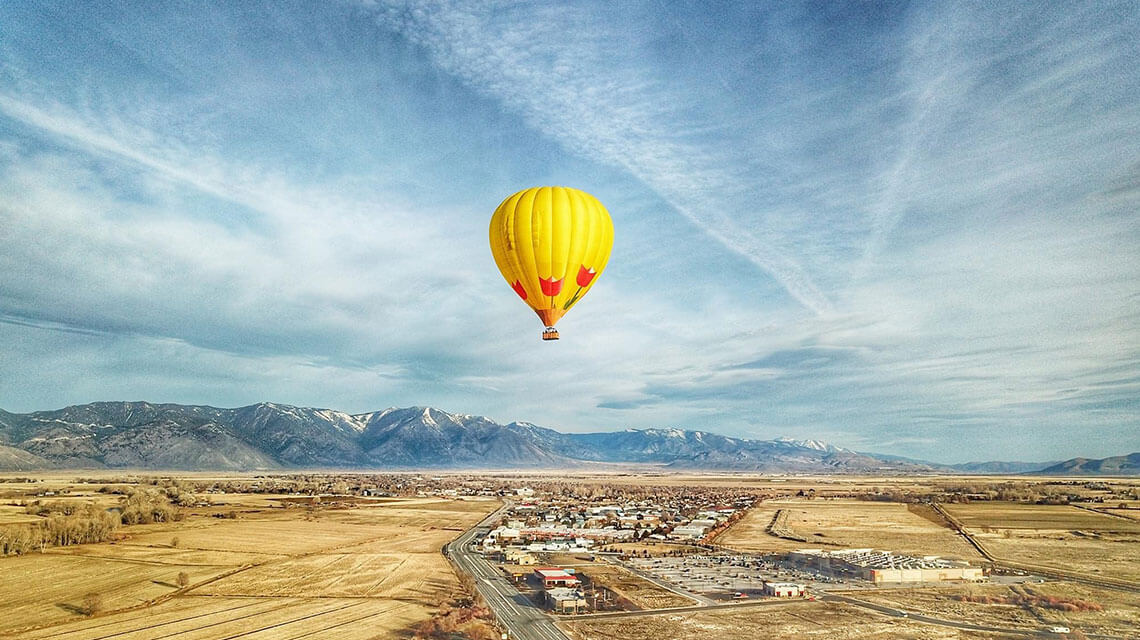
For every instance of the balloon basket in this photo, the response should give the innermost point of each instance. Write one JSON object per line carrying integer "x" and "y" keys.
{"x": 550, "y": 333}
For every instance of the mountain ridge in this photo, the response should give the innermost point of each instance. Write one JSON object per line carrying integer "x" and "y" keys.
{"x": 271, "y": 436}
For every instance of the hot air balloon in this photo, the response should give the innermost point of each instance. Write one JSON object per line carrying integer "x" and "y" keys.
{"x": 551, "y": 244}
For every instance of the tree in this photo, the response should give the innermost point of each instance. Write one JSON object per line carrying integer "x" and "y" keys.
{"x": 92, "y": 603}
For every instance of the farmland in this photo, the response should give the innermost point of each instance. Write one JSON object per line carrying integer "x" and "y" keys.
{"x": 846, "y": 523}
{"x": 787, "y": 620}
{"x": 1058, "y": 536}
{"x": 195, "y": 618}
{"x": 312, "y": 555}
{"x": 361, "y": 569}
{"x": 1029, "y": 606}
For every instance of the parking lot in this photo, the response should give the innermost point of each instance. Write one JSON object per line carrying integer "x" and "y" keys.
{"x": 722, "y": 576}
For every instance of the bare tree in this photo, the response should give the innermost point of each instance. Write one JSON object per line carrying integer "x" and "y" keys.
{"x": 92, "y": 603}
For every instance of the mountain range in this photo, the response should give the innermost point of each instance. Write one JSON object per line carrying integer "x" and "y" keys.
{"x": 266, "y": 436}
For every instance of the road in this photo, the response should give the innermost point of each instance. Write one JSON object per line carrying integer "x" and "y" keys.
{"x": 522, "y": 619}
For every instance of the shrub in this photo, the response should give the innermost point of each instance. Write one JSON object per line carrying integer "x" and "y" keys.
{"x": 92, "y": 603}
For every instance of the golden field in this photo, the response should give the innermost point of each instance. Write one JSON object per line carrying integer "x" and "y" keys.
{"x": 1061, "y": 537}
{"x": 780, "y": 620}
{"x": 1028, "y": 606}
{"x": 371, "y": 570}
{"x": 846, "y": 524}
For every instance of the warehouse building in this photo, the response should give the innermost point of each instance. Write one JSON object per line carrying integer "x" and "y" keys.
{"x": 884, "y": 566}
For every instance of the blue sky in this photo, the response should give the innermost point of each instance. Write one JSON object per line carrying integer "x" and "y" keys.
{"x": 902, "y": 228}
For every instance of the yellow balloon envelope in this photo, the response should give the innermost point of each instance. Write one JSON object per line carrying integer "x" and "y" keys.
{"x": 551, "y": 244}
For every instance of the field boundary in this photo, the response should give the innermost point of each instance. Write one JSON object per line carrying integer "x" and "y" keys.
{"x": 779, "y": 528}
{"x": 1103, "y": 512}
{"x": 1049, "y": 572}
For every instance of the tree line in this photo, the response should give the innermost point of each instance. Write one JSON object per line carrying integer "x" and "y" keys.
{"x": 66, "y": 523}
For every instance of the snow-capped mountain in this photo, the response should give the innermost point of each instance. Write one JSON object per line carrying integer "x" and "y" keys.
{"x": 275, "y": 436}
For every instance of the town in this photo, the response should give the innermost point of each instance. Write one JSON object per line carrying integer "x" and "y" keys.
{"x": 582, "y": 555}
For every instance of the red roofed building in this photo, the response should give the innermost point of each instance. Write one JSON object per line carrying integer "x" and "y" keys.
{"x": 554, "y": 577}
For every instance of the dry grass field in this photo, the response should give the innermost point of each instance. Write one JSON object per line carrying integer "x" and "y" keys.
{"x": 1004, "y": 515}
{"x": 1057, "y": 536}
{"x": 370, "y": 571}
{"x": 45, "y": 588}
{"x": 636, "y": 589}
{"x": 833, "y": 621}
{"x": 1131, "y": 511}
{"x": 844, "y": 524}
{"x": 1022, "y": 606}
{"x": 12, "y": 514}
{"x": 200, "y": 618}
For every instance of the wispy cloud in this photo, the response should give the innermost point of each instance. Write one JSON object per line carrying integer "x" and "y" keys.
{"x": 946, "y": 194}
{"x": 562, "y": 69}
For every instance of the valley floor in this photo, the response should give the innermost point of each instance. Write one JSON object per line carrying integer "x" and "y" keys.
{"x": 369, "y": 570}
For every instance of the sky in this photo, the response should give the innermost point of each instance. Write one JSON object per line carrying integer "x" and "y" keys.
{"x": 901, "y": 228}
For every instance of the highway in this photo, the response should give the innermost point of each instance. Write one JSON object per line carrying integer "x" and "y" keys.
{"x": 514, "y": 611}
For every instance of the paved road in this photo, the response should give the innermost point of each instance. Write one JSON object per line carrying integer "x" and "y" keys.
{"x": 523, "y": 620}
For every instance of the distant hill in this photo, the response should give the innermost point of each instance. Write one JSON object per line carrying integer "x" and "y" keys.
{"x": 12, "y": 459}
{"x": 142, "y": 435}
{"x": 1116, "y": 466}
{"x": 997, "y": 466}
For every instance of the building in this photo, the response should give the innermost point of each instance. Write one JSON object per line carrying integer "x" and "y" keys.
{"x": 571, "y": 533}
{"x": 884, "y": 566}
{"x": 565, "y": 599}
{"x": 689, "y": 532}
{"x": 554, "y": 577}
{"x": 501, "y": 534}
{"x": 519, "y": 556}
{"x": 784, "y": 589}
